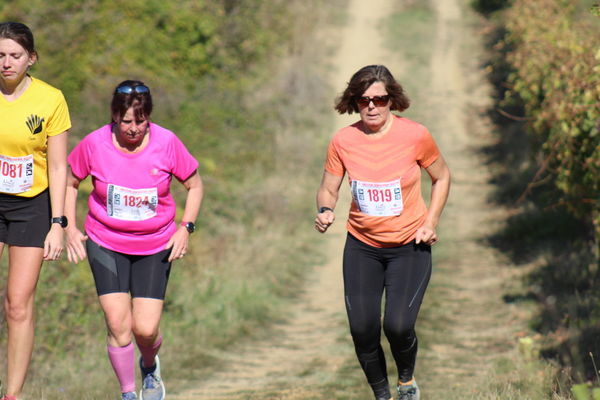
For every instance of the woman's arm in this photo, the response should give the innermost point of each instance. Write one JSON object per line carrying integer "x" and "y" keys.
{"x": 327, "y": 196}
{"x": 75, "y": 238}
{"x": 179, "y": 240}
{"x": 440, "y": 187}
{"x": 57, "y": 180}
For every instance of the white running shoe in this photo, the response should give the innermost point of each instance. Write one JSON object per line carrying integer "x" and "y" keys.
{"x": 128, "y": 396}
{"x": 153, "y": 387}
{"x": 409, "y": 392}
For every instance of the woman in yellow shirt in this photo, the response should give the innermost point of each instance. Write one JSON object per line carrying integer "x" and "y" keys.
{"x": 33, "y": 173}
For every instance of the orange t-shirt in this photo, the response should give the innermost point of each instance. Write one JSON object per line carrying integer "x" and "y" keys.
{"x": 385, "y": 176}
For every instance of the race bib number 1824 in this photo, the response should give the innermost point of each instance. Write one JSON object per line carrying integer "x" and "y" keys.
{"x": 131, "y": 204}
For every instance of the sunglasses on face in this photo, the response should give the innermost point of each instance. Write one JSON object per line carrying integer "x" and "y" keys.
{"x": 126, "y": 89}
{"x": 378, "y": 101}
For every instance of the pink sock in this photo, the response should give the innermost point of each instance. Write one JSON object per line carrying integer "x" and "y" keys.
{"x": 123, "y": 362}
{"x": 148, "y": 352}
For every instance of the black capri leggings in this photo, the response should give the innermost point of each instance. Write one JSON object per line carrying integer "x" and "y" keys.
{"x": 403, "y": 272}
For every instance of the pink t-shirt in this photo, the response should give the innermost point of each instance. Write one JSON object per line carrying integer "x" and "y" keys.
{"x": 131, "y": 209}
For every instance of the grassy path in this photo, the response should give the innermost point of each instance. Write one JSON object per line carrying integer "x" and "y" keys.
{"x": 302, "y": 355}
{"x": 468, "y": 333}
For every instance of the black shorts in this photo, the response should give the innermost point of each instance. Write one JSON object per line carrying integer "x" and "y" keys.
{"x": 24, "y": 221}
{"x": 142, "y": 276}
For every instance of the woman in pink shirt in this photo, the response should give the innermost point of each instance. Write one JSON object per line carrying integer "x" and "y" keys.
{"x": 131, "y": 237}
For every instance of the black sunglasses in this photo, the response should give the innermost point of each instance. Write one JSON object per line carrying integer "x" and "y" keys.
{"x": 378, "y": 101}
{"x": 126, "y": 89}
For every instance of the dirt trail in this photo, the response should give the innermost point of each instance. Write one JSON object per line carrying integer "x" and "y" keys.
{"x": 310, "y": 347}
{"x": 304, "y": 350}
{"x": 469, "y": 327}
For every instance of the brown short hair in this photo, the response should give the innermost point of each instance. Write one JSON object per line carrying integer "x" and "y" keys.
{"x": 362, "y": 80}
{"x": 121, "y": 102}
{"x": 20, "y": 33}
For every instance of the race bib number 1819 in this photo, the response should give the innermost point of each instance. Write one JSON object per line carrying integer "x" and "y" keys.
{"x": 381, "y": 199}
{"x": 131, "y": 204}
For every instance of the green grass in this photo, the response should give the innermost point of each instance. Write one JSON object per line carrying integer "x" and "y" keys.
{"x": 255, "y": 240}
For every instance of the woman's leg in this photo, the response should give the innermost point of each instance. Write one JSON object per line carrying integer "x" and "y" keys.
{"x": 149, "y": 278}
{"x": 118, "y": 316}
{"x": 146, "y": 319}
{"x": 363, "y": 289}
{"x": 121, "y": 352}
{"x": 112, "y": 272}
{"x": 23, "y": 272}
{"x": 407, "y": 277}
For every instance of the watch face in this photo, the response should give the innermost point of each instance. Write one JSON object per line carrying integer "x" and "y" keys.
{"x": 190, "y": 227}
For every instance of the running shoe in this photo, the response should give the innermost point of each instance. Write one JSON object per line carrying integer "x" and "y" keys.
{"x": 128, "y": 396}
{"x": 153, "y": 387}
{"x": 409, "y": 392}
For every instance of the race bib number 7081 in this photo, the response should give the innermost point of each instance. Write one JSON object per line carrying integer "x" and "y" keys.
{"x": 16, "y": 174}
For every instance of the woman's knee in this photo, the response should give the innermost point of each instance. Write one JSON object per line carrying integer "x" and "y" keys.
{"x": 18, "y": 309}
{"x": 366, "y": 337}
{"x": 145, "y": 332}
{"x": 119, "y": 327}
{"x": 401, "y": 335}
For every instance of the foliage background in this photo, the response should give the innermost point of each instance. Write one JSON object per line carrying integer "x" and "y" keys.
{"x": 217, "y": 77}
{"x": 545, "y": 64}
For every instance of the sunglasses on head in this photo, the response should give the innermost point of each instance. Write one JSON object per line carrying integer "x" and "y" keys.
{"x": 126, "y": 89}
{"x": 378, "y": 101}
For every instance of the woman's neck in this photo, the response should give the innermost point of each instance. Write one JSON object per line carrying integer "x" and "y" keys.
{"x": 130, "y": 147}
{"x": 13, "y": 92}
{"x": 376, "y": 131}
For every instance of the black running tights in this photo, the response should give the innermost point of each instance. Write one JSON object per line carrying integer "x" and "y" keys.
{"x": 403, "y": 273}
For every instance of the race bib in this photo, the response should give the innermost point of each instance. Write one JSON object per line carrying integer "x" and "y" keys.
{"x": 380, "y": 199}
{"x": 16, "y": 174}
{"x": 131, "y": 204}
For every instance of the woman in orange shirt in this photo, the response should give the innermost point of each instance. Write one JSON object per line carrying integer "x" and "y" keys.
{"x": 390, "y": 229}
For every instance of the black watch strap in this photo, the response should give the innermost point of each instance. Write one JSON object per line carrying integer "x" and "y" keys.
{"x": 62, "y": 220}
{"x": 323, "y": 209}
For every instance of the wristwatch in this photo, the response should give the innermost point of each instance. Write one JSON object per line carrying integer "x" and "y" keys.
{"x": 323, "y": 209}
{"x": 62, "y": 220}
{"x": 190, "y": 226}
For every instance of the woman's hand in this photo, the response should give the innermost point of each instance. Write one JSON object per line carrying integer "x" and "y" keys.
{"x": 440, "y": 185}
{"x": 53, "y": 244}
{"x": 75, "y": 248}
{"x": 178, "y": 243}
{"x": 324, "y": 220}
{"x": 426, "y": 234}
{"x": 327, "y": 196}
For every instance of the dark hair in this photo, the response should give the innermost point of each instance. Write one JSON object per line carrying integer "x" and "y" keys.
{"x": 20, "y": 33}
{"x": 362, "y": 80}
{"x": 121, "y": 102}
